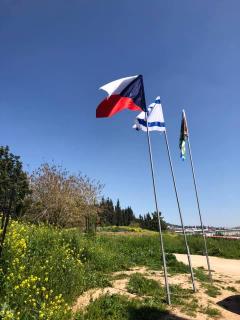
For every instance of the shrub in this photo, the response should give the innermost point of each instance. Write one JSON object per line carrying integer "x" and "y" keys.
{"x": 142, "y": 286}
{"x": 62, "y": 199}
{"x": 39, "y": 274}
{"x": 118, "y": 307}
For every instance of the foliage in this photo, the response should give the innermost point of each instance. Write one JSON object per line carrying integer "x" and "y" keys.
{"x": 211, "y": 312}
{"x": 175, "y": 266}
{"x": 62, "y": 199}
{"x": 140, "y": 285}
{"x": 118, "y": 307}
{"x": 13, "y": 189}
{"x": 115, "y": 215}
{"x": 151, "y": 306}
{"x": 34, "y": 264}
{"x": 122, "y": 229}
{"x": 42, "y": 271}
{"x": 201, "y": 274}
{"x": 111, "y": 215}
{"x": 190, "y": 307}
{"x": 121, "y": 252}
{"x": 211, "y": 290}
{"x": 150, "y": 222}
{"x": 216, "y": 247}
{"x": 231, "y": 288}
{"x": 12, "y": 180}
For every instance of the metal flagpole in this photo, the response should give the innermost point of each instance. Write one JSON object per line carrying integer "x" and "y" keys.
{"x": 180, "y": 212}
{"x": 198, "y": 205}
{"x": 158, "y": 214}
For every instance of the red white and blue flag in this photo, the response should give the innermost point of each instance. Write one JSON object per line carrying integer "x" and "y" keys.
{"x": 125, "y": 93}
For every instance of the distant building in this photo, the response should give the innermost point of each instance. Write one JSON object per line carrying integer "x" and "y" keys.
{"x": 233, "y": 233}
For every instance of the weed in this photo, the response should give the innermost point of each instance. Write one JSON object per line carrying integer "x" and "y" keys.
{"x": 230, "y": 288}
{"x": 142, "y": 286}
{"x": 201, "y": 275}
{"x": 211, "y": 312}
{"x": 44, "y": 269}
{"x": 211, "y": 290}
{"x": 175, "y": 266}
{"x": 179, "y": 295}
{"x": 190, "y": 307}
{"x": 119, "y": 276}
{"x": 117, "y": 307}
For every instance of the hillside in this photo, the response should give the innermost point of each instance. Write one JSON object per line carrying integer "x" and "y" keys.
{"x": 45, "y": 270}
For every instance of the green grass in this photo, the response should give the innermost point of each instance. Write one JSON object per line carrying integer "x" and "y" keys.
{"x": 201, "y": 274}
{"x": 175, "y": 266}
{"x": 230, "y": 288}
{"x": 67, "y": 263}
{"x": 173, "y": 244}
{"x": 119, "y": 276}
{"x": 216, "y": 247}
{"x": 179, "y": 295}
{"x": 211, "y": 312}
{"x": 142, "y": 286}
{"x": 118, "y": 307}
{"x": 150, "y": 307}
{"x": 123, "y": 229}
{"x": 190, "y": 307}
{"x": 211, "y": 290}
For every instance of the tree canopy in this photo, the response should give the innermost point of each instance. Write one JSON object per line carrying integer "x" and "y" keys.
{"x": 150, "y": 222}
{"x": 13, "y": 189}
{"x": 60, "y": 198}
{"x": 115, "y": 215}
{"x": 13, "y": 183}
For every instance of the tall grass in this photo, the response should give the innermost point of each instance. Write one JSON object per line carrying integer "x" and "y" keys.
{"x": 216, "y": 247}
{"x": 44, "y": 269}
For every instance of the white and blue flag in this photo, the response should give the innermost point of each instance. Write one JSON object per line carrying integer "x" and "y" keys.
{"x": 155, "y": 118}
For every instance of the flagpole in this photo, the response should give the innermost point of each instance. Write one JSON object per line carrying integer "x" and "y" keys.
{"x": 158, "y": 214}
{"x": 198, "y": 205}
{"x": 179, "y": 210}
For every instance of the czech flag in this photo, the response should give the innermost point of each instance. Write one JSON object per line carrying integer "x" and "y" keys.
{"x": 125, "y": 93}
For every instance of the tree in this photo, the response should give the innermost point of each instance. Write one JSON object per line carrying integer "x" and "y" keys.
{"x": 118, "y": 214}
{"x": 128, "y": 216}
{"x": 115, "y": 215}
{"x": 150, "y": 222}
{"x": 62, "y": 199}
{"x": 13, "y": 189}
{"x": 106, "y": 213}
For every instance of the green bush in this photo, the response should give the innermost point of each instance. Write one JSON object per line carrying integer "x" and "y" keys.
{"x": 118, "y": 307}
{"x": 175, "y": 266}
{"x": 140, "y": 285}
{"x": 34, "y": 264}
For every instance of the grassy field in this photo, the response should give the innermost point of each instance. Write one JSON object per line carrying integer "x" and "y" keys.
{"x": 44, "y": 269}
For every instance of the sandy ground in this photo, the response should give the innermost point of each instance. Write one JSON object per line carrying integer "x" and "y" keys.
{"x": 227, "y": 267}
{"x": 226, "y": 274}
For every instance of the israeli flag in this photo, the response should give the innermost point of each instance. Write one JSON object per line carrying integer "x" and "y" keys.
{"x": 155, "y": 118}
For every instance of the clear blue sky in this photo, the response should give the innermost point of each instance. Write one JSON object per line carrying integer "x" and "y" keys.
{"x": 55, "y": 54}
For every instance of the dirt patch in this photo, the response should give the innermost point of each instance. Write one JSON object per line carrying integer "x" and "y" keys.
{"x": 229, "y": 268}
{"x": 226, "y": 282}
{"x": 84, "y": 300}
